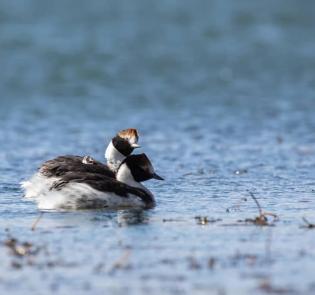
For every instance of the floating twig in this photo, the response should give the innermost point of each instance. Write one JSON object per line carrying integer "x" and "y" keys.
{"x": 202, "y": 220}
{"x": 261, "y": 219}
{"x": 193, "y": 263}
{"x": 37, "y": 221}
{"x": 269, "y": 288}
{"x": 307, "y": 223}
{"x": 122, "y": 262}
{"x": 257, "y": 203}
{"x": 20, "y": 249}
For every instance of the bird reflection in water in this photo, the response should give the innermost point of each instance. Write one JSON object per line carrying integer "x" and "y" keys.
{"x": 132, "y": 217}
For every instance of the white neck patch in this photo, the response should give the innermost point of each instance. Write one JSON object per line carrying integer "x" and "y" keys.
{"x": 124, "y": 175}
{"x": 114, "y": 157}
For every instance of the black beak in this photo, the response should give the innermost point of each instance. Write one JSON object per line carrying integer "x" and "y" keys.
{"x": 155, "y": 176}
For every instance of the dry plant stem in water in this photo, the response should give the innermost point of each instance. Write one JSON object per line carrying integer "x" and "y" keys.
{"x": 37, "y": 221}
{"x": 261, "y": 219}
{"x": 307, "y": 223}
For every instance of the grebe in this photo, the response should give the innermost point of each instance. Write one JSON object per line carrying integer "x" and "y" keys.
{"x": 121, "y": 145}
{"x": 94, "y": 190}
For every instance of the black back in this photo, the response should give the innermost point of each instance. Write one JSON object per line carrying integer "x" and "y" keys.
{"x": 61, "y": 165}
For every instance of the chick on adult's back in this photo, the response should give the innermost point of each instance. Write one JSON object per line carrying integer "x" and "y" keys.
{"x": 86, "y": 190}
{"x": 121, "y": 145}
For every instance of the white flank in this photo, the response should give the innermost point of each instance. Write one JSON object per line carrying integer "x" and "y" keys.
{"x": 74, "y": 196}
{"x": 82, "y": 196}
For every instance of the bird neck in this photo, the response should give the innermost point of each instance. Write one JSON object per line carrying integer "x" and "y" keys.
{"x": 114, "y": 157}
{"x": 124, "y": 175}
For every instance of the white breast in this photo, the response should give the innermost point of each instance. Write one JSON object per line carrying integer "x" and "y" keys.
{"x": 82, "y": 196}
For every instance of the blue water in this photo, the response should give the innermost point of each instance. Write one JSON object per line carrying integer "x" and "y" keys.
{"x": 222, "y": 93}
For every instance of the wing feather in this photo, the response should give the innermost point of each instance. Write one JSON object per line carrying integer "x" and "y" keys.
{"x": 103, "y": 184}
{"x": 64, "y": 164}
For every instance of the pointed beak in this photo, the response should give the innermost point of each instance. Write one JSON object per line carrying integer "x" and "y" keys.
{"x": 135, "y": 145}
{"x": 155, "y": 176}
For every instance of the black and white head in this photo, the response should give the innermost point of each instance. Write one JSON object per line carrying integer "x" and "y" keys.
{"x": 135, "y": 169}
{"x": 126, "y": 141}
{"x": 121, "y": 146}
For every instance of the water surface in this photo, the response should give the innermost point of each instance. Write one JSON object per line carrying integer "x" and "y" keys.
{"x": 222, "y": 93}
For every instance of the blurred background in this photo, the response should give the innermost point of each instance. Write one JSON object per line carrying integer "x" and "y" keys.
{"x": 156, "y": 54}
{"x": 222, "y": 93}
{"x": 91, "y": 68}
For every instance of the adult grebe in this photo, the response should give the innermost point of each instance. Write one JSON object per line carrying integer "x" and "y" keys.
{"x": 121, "y": 145}
{"x": 94, "y": 190}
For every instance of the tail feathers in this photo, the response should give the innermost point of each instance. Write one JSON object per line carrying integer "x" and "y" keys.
{"x": 25, "y": 184}
{"x": 36, "y": 186}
